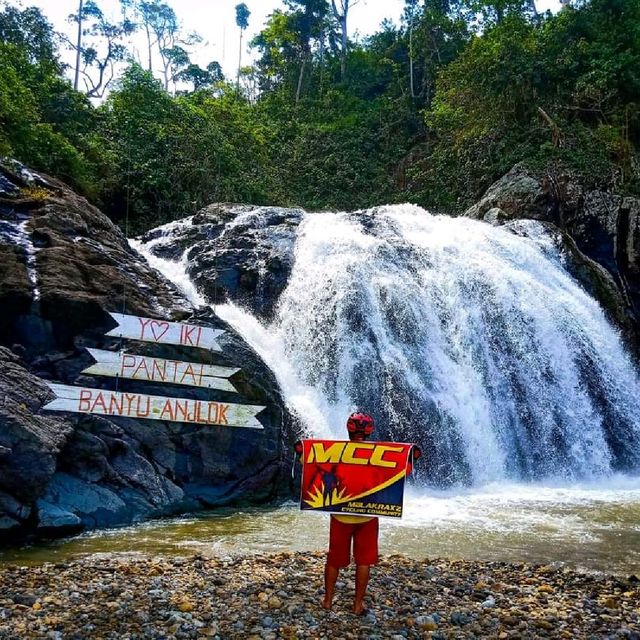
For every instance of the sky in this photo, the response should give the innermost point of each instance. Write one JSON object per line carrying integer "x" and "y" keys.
{"x": 214, "y": 20}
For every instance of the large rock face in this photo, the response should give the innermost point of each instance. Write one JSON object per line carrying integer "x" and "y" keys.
{"x": 63, "y": 266}
{"x": 604, "y": 228}
{"x": 234, "y": 252}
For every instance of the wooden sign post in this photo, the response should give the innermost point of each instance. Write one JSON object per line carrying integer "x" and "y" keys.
{"x": 138, "y": 405}
{"x": 164, "y": 332}
{"x": 148, "y": 369}
{"x": 136, "y": 367}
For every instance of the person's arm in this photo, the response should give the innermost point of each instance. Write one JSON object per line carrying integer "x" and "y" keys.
{"x": 414, "y": 455}
{"x": 297, "y": 447}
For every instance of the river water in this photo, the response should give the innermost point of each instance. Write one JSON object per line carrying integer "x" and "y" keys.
{"x": 586, "y": 527}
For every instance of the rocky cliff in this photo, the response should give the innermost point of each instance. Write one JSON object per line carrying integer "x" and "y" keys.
{"x": 234, "y": 252}
{"x": 600, "y": 231}
{"x": 63, "y": 266}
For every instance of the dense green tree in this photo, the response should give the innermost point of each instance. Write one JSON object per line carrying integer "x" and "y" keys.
{"x": 430, "y": 111}
{"x": 43, "y": 122}
{"x": 174, "y": 155}
{"x": 278, "y": 47}
{"x": 289, "y": 43}
{"x": 201, "y": 78}
{"x": 435, "y": 35}
{"x": 309, "y": 23}
{"x": 591, "y": 63}
{"x": 566, "y": 90}
{"x": 30, "y": 32}
{"x": 490, "y": 12}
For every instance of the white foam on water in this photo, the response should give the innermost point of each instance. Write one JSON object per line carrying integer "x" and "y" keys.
{"x": 173, "y": 270}
{"x": 518, "y": 507}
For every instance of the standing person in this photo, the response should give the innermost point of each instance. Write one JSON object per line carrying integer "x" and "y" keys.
{"x": 344, "y": 528}
{"x": 362, "y": 529}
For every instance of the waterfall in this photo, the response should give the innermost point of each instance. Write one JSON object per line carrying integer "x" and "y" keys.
{"x": 471, "y": 340}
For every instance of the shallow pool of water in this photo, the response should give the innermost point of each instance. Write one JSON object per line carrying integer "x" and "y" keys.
{"x": 591, "y": 527}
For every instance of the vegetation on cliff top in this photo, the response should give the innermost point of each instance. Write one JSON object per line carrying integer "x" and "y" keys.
{"x": 431, "y": 112}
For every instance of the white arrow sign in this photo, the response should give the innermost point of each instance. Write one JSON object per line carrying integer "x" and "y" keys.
{"x": 164, "y": 332}
{"x": 137, "y": 367}
{"x": 138, "y": 405}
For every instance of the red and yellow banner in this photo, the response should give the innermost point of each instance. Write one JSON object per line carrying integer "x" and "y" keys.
{"x": 359, "y": 478}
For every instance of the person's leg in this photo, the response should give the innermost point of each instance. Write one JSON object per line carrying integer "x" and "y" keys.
{"x": 338, "y": 557}
{"x": 362, "y": 580}
{"x": 365, "y": 551}
{"x": 330, "y": 579}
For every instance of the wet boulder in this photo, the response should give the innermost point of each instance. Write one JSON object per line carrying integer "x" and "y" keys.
{"x": 239, "y": 253}
{"x": 603, "y": 230}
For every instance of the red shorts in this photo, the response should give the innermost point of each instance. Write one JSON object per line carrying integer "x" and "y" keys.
{"x": 365, "y": 542}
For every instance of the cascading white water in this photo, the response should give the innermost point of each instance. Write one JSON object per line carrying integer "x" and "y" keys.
{"x": 175, "y": 272}
{"x": 472, "y": 340}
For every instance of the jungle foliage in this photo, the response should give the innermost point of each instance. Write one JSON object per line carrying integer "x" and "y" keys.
{"x": 431, "y": 111}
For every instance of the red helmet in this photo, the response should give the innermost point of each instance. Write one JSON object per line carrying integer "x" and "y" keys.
{"x": 360, "y": 422}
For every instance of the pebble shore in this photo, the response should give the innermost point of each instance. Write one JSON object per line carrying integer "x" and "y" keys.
{"x": 265, "y": 597}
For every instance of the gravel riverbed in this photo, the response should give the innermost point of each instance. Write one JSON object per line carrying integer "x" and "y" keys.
{"x": 265, "y": 597}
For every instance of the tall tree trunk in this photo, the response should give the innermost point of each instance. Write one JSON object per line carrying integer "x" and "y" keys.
{"x": 146, "y": 27}
{"x": 78, "y": 46}
{"x": 165, "y": 65}
{"x": 322, "y": 64}
{"x": 300, "y": 78}
{"x": 342, "y": 20}
{"x": 165, "y": 73}
{"x": 413, "y": 91}
{"x": 343, "y": 57}
{"x": 239, "y": 62}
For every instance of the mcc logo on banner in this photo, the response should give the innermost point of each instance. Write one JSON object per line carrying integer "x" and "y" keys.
{"x": 358, "y": 478}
